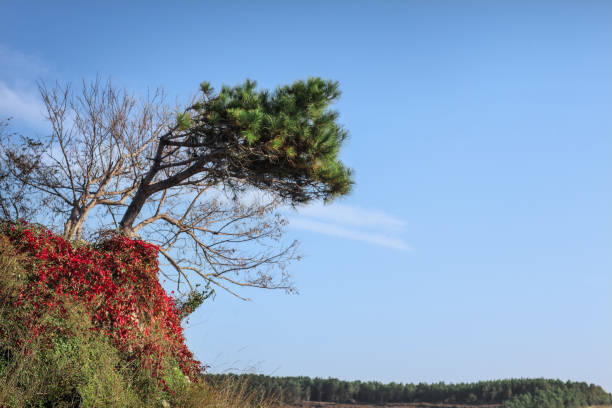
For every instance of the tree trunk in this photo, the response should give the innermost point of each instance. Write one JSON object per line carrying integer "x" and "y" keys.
{"x": 126, "y": 225}
{"x": 146, "y": 190}
{"x": 73, "y": 228}
{"x": 70, "y": 225}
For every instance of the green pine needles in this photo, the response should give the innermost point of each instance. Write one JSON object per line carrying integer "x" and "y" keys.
{"x": 286, "y": 141}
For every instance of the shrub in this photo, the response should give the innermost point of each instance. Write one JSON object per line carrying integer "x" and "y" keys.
{"x": 89, "y": 325}
{"x": 90, "y": 321}
{"x": 116, "y": 281}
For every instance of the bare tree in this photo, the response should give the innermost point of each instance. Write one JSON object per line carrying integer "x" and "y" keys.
{"x": 94, "y": 154}
{"x": 179, "y": 181}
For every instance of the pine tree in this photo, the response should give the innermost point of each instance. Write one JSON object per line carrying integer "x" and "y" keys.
{"x": 285, "y": 142}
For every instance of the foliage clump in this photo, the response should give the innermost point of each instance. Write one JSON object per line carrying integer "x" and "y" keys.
{"x": 117, "y": 283}
{"x": 89, "y": 326}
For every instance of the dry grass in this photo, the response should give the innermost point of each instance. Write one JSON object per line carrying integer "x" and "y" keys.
{"x": 229, "y": 393}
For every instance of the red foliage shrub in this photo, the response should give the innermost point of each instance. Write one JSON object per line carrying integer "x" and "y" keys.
{"x": 117, "y": 281}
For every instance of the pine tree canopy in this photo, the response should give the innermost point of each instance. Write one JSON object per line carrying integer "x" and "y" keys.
{"x": 286, "y": 141}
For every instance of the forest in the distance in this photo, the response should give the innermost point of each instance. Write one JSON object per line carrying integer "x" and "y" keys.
{"x": 512, "y": 393}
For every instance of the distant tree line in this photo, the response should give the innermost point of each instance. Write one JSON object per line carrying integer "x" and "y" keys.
{"x": 512, "y": 393}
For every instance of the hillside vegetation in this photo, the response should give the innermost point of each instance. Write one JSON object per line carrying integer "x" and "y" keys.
{"x": 90, "y": 326}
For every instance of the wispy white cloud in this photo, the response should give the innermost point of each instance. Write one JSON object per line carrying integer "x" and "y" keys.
{"x": 21, "y": 104}
{"x": 20, "y": 66}
{"x": 350, "y": 233}
{"x": 19, "y": 96}
{"x": 350, "y": 215}
{"x": 354, "y": 223}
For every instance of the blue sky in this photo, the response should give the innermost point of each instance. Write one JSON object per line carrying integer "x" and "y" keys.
{"x": 477, "y": 241}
